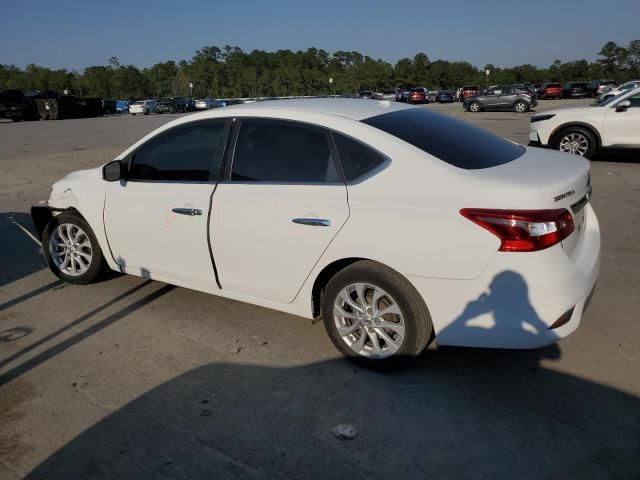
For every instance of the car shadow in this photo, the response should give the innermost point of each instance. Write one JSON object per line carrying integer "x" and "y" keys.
{"x": 20, "y": 255}
{"x": 457, "y": 413}
{"x": 617, "y": 155}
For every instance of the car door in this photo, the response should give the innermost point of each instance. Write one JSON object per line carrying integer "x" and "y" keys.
{"x": 156, "y": 220}
{"x": 492, "y": 98}
{"x": 283, "y": 204}
{"x": 621, "y": 126}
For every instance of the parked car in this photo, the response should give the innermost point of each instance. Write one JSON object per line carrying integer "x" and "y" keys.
{"x": 601, "y": 86}
{"x": 577, "y": 90}
{"x": 172, "y": 105}
{"x": 208, "y": 104}
{"x": 431, "y": 96}
{"x": 14, "y": 105}
{"x": 469, "y": 91}
{"x": 143, "y": 106}
{"x": 551, "y": 90}
{"x": 503, "y": 97}
{"x": 418, "y": 95}
{"x": 506, "y": 247}
{"x": 386, "y": 95}
{"x": 110, "y": 107}
{"x": 402, "y": 96}
{"x": 585, "y": 130}
{"x": 444, "y": 96}
{"x": 615, "y": 91}
{"x": 537, "y": 88}
{"x": 366, "y": 94}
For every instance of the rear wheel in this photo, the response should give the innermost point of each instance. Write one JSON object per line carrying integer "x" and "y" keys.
{"x": 520, "y": 107}
{"x": 374, "y": 316}
{"x": 71, "y": 249}
{"x": 575, "y": 140}
{"x": 474, "y": 107}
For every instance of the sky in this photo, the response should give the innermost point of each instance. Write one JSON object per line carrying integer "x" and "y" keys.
{"x": 75, "y": 34}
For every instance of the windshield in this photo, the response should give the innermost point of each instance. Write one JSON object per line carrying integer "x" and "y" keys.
{"x": 439, "y": 135}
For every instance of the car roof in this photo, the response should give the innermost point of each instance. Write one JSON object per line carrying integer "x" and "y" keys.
{"x": 353, "y": 109}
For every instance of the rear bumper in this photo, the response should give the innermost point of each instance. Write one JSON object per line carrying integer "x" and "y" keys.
{"x": 518, "y": 296}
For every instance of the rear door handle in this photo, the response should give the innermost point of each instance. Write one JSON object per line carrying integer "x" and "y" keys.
{"x": 187, "y": 211}
{"x": 314, "y": 222}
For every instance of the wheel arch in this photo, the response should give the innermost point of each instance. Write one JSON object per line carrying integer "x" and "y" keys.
{"x": 559, "y": 129}
{"x": 41, "y": 215}
{"x": 322, "y": 279}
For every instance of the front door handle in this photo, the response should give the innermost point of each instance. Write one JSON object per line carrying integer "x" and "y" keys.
{"x": 314, "y": 222}
{"x": 187, "y": 211}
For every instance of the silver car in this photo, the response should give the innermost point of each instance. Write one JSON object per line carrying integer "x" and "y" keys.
{"x": 208, "y": 104}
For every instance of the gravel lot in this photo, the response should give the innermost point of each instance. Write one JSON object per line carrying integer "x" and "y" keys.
{"x": 131, "y": 378}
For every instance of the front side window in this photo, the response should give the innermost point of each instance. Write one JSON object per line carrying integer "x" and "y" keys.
{"x": 634, "y": 101}
{"x": 282, "y": 151}
{"x": 186, "y": 153}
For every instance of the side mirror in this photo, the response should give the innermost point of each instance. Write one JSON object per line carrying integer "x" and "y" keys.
{"x": 113, "y": 171}
{"x": 622, "y": 106}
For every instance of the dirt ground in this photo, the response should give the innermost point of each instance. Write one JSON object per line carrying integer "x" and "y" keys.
{"x": 130, "y": 378}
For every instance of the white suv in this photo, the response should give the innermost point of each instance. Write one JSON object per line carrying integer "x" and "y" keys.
{"x": 614, "y": 123}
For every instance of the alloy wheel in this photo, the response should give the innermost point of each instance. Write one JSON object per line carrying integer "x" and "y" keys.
{"x": 70, "y": 249}
{"x": 575, "y": 143}
{"x": 368, "y": 320}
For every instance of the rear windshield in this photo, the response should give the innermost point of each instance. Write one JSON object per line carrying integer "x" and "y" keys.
{"x": 554, "y": 85}
{"x": 417, "y": 90}
{"x": 452, "y": 141}
{"x": 470, "y": 88}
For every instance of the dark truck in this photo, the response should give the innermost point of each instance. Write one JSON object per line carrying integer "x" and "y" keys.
{"x": 172, "y": 105}
{"x": 68, "y": 106}
{"x": 15, "y": 106}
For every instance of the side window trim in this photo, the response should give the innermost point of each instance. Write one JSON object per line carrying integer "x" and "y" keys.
{"x": 230, "y": 158}
{"x": 129, "y": 159}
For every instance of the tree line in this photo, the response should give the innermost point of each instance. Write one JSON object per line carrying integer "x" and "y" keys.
{"x": 230, "y": 72}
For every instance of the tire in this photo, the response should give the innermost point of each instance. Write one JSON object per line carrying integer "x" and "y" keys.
{"x": 394, "y": 292}
{"x": 133, "y": 114}
{"x": 520, "y": 107}
{"x": 66, "y": 226}
{"x": 475, "y": 107}
{"x": 146, "y": 112}
{"x": 576, "y": 140}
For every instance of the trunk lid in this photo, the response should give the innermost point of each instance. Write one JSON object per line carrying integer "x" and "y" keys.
{"x": 562, "y": 180}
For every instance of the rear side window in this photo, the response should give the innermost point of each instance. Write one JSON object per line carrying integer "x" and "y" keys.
{"x": 187, "y": 153}
{"x": 282, "y": 151}
{"x": 357, "y": 159}
{"x": 452, "y": 141}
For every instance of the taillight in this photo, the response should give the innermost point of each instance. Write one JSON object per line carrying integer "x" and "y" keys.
{"x": 523, "y": 230}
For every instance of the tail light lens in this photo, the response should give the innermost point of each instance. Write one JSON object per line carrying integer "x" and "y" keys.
{"x": 523, "y": 230}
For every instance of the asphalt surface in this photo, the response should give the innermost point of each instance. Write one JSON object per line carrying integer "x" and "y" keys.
{"x": 129, "y": 378}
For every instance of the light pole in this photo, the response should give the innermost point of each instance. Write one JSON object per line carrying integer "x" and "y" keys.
{"x": 331, "y": 86}
{"x": 487, "y": 72}
{"x": 191, "y": 90}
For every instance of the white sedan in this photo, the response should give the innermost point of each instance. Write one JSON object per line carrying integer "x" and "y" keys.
{"x": 614, "y": 123}
{"x": 144, "y": 107}
{"x": 395, "y": 224}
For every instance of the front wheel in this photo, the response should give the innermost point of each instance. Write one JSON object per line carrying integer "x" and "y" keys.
{"x": 71, "y": 249}
{"x": 520, "y": 107}
{"x": 375, "y": 316}
{"x": 575, "y": 140}
{"x": 474, "y": 107}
